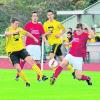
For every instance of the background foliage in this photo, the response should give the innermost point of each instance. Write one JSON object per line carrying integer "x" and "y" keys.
{"x": 23, "y": 8}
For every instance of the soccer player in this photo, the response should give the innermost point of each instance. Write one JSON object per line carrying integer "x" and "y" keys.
{"x": 34, "y": 48}
{"x": 54, "y": 31}
{"x": 75, "y": 56}
{"x": 16, "y": 49}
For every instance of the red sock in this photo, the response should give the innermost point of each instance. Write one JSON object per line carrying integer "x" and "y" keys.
{"x": 84, "y": 77}
{"x": 57, "y": 71}
{"x": 38, "y": 76}
{"x": 22, "y": 64}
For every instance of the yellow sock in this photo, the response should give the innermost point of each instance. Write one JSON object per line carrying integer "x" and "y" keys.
{"x": 37, "y": 70}
{"x": 70, "y": 68}
{"x": 23, "y": 76}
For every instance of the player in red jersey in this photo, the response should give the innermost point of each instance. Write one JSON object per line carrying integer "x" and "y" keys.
{"x": 33, "y": 48}
{"x": 76, "y": 54}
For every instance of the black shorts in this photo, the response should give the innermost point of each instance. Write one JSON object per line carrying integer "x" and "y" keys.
{"x": 16, "y": 56}
{"x": 56, "y": 49}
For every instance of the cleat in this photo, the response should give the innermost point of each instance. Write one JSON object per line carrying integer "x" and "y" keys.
{"x": 27, "y": 84}
{"x": 89, "y": 82}
{"x": 73, "y": 74}
{"x": 17, "y": 78}
{"x": 44, "y": 78}
{"x": 39, "y": 80}
{"x": 52, "y": 80}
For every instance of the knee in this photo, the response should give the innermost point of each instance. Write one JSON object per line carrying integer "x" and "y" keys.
{"x": 78, "y": 74}
{"x": 17, "y": 66}
{"x": 30, "y": 61}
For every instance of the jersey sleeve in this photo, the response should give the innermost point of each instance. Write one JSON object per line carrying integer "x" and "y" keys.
{"x": 22, "y": 31}
{"x": 45, "y": 27}
{"x": 25, "y": 27}
{"x": 61, "y": 26}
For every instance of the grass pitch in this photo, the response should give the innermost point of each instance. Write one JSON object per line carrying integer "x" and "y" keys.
{"x": 65, "y": 87}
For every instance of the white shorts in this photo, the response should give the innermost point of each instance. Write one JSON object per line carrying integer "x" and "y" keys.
{"x": 34, "y": 51}
{"x": 76, "y": 62}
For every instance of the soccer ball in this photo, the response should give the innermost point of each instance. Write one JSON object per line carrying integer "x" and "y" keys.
{"x": 53, "y": 63}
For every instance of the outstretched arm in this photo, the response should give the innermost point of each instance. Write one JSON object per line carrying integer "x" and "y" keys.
{"x": 91, "y": 33}
{"x": 31, "y": 36}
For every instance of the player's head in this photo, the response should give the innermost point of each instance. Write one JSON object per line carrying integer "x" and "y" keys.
{"x": 34, "y": 16}
{"x": 15, "y": 22}
{"x": 50, "y": 14}
{"x": 79, "y": 28}
{"x": 69, "y": 34}
{"x": 93, "y": 29}
{"x": 86, "y": 30}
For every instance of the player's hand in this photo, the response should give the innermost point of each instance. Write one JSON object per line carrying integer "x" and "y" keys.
{"x": 16, "y": 32}
{"x": 36, "y": 40}
{"x": 66, "y": 44}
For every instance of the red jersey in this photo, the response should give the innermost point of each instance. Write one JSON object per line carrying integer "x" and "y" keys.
{"x": 78, "y": 48}
{"x": 36, "y": 29}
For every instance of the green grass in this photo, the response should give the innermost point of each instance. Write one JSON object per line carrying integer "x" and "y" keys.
{"x": 65, "y": 88}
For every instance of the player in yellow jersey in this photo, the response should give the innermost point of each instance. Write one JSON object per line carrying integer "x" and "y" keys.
{"x": 16, "y": 49}
{"x": 54, "y": 31}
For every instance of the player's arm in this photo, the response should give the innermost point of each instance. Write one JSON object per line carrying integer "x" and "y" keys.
{"x": 31, "y": 36}
{"x": 63, "y": 30}
{"x": 45, "y": 40}
{"x": 7, "y": 33}
{"x": 91, "y": 33}
{"x": 68, "y": 43}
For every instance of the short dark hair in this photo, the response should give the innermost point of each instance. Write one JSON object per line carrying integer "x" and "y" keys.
{"x": 85, "y": 28}
{"x": 14, "y": 19}
{"x": 50, "y": 11}
{"x": 34, "y": 12}
{"x": 79, "y": 26}
{"x": 92, "y": 28}
{"x": 69, "y": 33}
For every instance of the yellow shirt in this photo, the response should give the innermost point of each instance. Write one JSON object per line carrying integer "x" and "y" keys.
{"x": 66, "y": 40}
{"x": 15, "y": 42}
{"x": 55, "y": 28}
{"x": 92, "y": 40}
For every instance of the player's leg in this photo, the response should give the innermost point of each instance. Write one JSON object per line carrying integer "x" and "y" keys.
{"x": 80, "y": 76}
{"x": 22, "y": 74}
{"x": 70, "y": 68}
{"x": 15, "y": 61}
{"x": 22, "y": 62}
{"x": 35, "y": 52}
{"x": 53, "y": 51}
{"x": 77, "y": 64}
{"x": 39, "y": 65}
{"x": 35, "y": 67}
{"x": 25, "y": 56}
{"x": 59, "y": 54}
{"x": 59, "y": 69}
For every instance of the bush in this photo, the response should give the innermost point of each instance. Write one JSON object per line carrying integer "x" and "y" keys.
{"x": 2, "y": 46}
